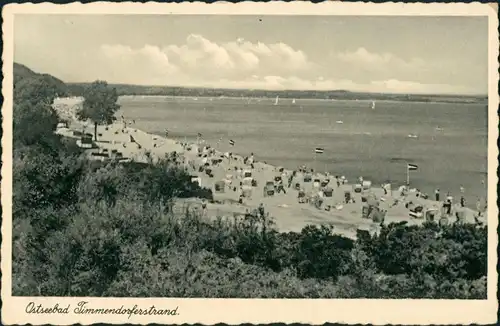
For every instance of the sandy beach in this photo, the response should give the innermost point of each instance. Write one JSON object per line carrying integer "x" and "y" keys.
{"x": 289, "y": 214}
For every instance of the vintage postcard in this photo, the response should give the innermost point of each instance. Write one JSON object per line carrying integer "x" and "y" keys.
{"x": 249, "y": 163}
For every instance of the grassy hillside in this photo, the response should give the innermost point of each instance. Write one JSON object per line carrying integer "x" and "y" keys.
{"x": 28, "y": 83}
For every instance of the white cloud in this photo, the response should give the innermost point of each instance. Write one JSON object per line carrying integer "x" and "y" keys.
{"x": 243, "y": 64}
{"x": 380, "y": 61}
{"x": 126, "y": 65}
{"x": 202, "y": 58}
{"x": 399, "y": 86}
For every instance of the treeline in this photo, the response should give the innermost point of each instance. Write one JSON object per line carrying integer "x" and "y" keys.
{"x": 77, "y": 90}
{"x": 89, "y": 229}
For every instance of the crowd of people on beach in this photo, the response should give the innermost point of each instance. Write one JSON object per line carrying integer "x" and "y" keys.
{"x": 285, "y": 181}
{"x": 240, "y": 171}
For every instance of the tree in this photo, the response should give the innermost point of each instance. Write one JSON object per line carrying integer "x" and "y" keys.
{"x": 34, "y": 125}
{"x": 99, "y": 105}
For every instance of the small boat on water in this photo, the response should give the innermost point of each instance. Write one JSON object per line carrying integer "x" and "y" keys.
{"x": 277, "y": 100}
{"x": 373, "y": 105}
{"x": 293, "y": 102}
{"x": 412, "y": 136}
{"x": 339, "y": 122}
{"x": 439, "y": 128}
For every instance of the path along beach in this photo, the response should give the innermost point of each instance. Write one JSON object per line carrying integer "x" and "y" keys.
{"x": 239, "y": 183}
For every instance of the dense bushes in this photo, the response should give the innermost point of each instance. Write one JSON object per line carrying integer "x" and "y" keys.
{"x": 137, "y": 250}
{"x": 87, "y": 229}
{"x": 450, "y": 252}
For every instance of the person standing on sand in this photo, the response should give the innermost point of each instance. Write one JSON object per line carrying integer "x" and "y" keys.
{"x": 319, "y": 200}
{"x": 283, "y": 175}
{"x": 462, "y": 201}
{"x": 479, "y": 207}
{"x": 436, "y": 194}
{"x": 280, "y": 187}
{"x": 204, "y": 207}
{"x": 448, "y": 205}
{"x": 290, "y": 179}
{"x": 261, "y": 210}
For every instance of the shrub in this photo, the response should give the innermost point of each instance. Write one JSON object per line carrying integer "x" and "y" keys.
{"x": 321, "y": 254}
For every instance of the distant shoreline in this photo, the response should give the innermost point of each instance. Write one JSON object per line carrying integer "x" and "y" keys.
{"x": 76, "y": 89}
{"x": 309, "y": 99}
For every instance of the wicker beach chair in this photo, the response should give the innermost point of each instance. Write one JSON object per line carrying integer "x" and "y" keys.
{"x": 269, "y": 189}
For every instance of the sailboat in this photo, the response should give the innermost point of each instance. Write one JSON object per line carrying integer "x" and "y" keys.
{"x": 276, "y": 101}
{"x": 293, "y": 102}
{"x": 373, "y": 105}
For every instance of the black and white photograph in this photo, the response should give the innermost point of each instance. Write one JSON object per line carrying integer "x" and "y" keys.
{"x": 222, "y": 153}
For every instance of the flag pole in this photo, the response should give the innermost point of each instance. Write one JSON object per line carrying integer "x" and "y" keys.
{"x": 407, "y": 175}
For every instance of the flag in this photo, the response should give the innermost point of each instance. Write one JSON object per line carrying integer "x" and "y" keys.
{"x": 231, "y": 142}
{"x": 319, "y": 150}
{"x": 412, "y": 167}
{"x": 132, "y": 140}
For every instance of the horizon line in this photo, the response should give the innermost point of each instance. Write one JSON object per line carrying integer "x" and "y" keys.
{"x": 258, "y": 89}
{"x": 285, "y": 90}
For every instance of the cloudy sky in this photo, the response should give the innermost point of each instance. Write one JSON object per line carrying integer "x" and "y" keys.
{"x": 374, "y": 54}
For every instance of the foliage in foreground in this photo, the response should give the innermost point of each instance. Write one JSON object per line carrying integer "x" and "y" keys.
{"x": 135, "y": 249}
{"x": 79, "y": 230}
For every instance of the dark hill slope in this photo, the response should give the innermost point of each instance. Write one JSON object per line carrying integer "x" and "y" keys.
{"x": 34, "y": 87}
